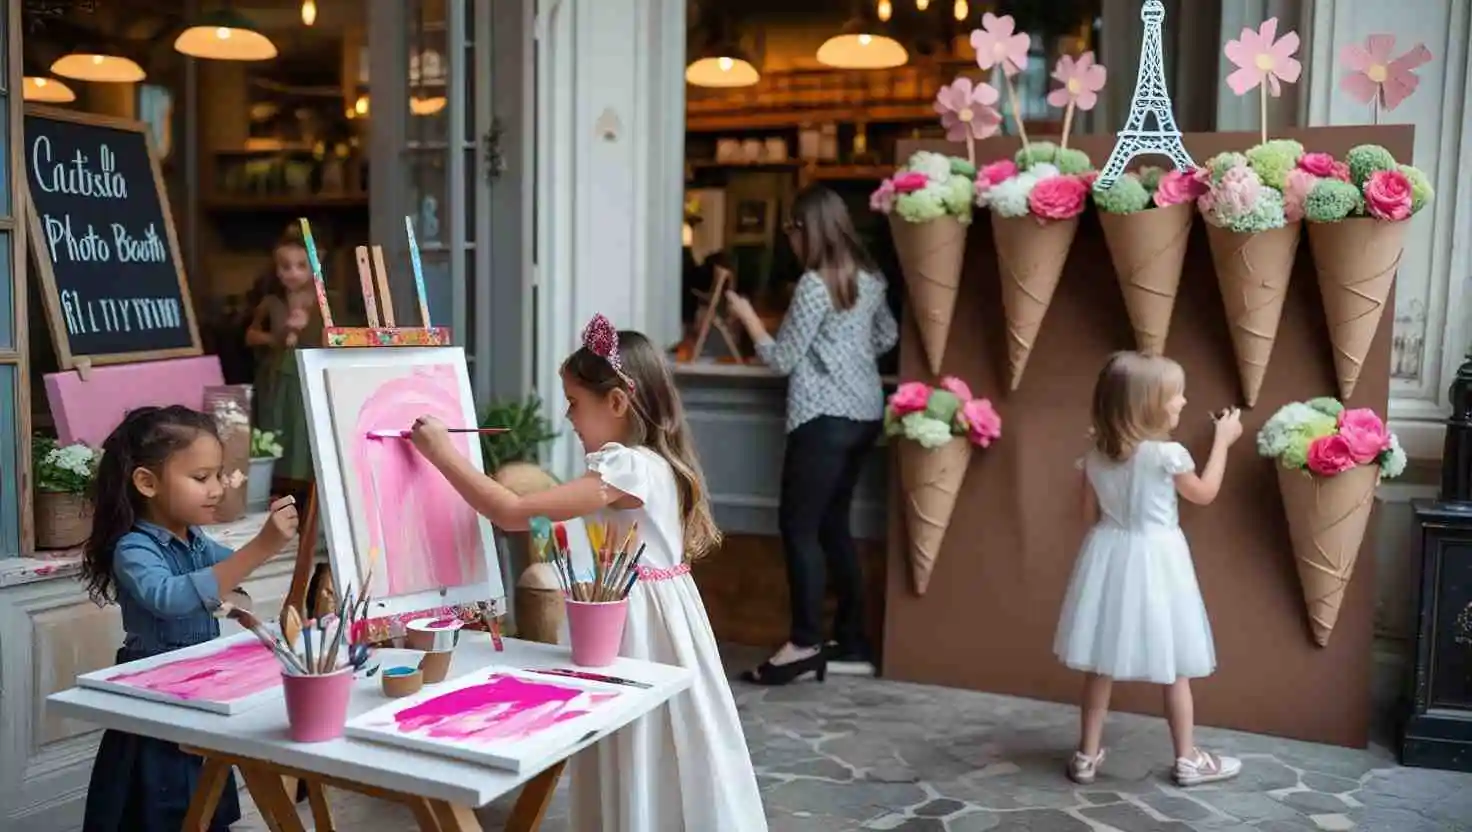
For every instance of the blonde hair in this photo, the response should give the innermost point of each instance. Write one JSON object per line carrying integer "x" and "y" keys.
{"x": 1130, "y": 402}
{"x": 658, "y": 424}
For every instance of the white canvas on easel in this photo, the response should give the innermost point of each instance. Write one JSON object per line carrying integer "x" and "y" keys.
{"x": 363, "y": 507}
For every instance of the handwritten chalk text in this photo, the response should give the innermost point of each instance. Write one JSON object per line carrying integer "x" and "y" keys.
{"x": 77, "y": 177}
{"x": 84, "y": 317}
{"x": 65, "y": 243}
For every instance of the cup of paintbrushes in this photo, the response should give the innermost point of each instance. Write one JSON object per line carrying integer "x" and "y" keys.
{"x": 596, "y": 630}
{"x": 317, "y": 704}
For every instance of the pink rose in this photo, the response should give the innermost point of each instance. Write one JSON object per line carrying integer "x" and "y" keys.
{"x": 910, "y": 397}
{"x": 1296, "y": 190}
{"x": 1365, "y": 434}
{"x": 1318, "y": 164}
{"x": 983, "y": 425}
{"x": 1330, "y": 455}
{"x": 1177, "y": 187}
{"x": 882, "y": 200}
{"x": 996, "y": 173}
{"x": 1058, "y": 198}
{"x": 907, "y": 183}
{"x": 1341, "y": 171}
{"x": 956, "y": 387}
{"x": 1388, "y": 195}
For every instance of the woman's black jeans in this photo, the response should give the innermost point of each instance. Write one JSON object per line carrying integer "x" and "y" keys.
{"x": 820, "y": 471}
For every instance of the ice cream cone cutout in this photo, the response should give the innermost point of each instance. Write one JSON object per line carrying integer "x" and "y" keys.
{"x": 1031, "y": 255}
{"x": 931, "y": 255}
{"x": 1252, "y": 273}
{"x": 1356, "y": 260}
{"x": 1148, "y": 250}
{"x": 1327, "y": 517}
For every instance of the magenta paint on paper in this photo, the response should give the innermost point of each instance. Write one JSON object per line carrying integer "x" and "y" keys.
{"x": 501, "y": 708}
{"x": 233, "y": 673}
{"x": 430, "y": 537}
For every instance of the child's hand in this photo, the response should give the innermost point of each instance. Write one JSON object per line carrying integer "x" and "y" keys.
{"x": 1228, "y": 426}
{"x": 281, "y": 525}
{"x": 296, "y": 319}
{"x": 430, "y": 438}
{"x": 739, "y": 307}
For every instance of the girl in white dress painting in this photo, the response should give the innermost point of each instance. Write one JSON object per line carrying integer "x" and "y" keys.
{"x": 1133, "y": 611}
{"x": 685, "y": 767}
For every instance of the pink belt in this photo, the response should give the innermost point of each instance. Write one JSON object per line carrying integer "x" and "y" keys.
{"x": 654, "y": 573}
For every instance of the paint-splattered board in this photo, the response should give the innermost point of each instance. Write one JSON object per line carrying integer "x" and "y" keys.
{"x": 498, "y": 716}
{"x": 432, "y": 550}
{"x": 227, "y": 675}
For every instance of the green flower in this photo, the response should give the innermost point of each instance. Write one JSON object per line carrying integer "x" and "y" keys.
{"x": 1273, "y": 159}
{"x": 1267, "y": 216}
{"x": 1421, "y": 192}
{"x": 961, "y": 167}
{"x": 1331, "y": 201}
{"x": 1295, "y": 455}
{"x": 1327, "y": 405}
{"x": 1223, "y": 162}
{"x": 1032, "y": 154}
{"x": 1367, "y": 159}
{"x": 920, "y": 206}
{"x": 1150, "y": 176}
{"x": 1126, "y": 196}
{"x": 957, "y": 195}
{"x": 943, "y": 405}
{"x": 1073, "y": 162}
{"x": 930, "y": 433}
{"x": 1393, "y": 459}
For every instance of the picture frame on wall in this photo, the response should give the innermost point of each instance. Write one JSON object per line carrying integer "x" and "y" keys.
{"x": 753, "y": 222}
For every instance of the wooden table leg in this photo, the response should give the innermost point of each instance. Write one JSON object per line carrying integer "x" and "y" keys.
{"x": 321, "y": 812}
{"x": 269, "y": 794}
{"x": 536, "y": 796}
{"x": 424, "y": 814}
{"x": 206, "y": 797}
{"x": 454, "y": 818}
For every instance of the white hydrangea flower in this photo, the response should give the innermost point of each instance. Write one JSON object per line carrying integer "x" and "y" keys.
{"x": 1393, "y": 463}
{"x": 1043, "y": 170}
{"x": 935, "y": 166}
{"x": 1009, "y": 199}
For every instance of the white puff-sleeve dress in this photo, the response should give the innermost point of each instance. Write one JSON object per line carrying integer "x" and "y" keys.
{"x": 684, "y": 767}
{"x": 1133, "y": 610}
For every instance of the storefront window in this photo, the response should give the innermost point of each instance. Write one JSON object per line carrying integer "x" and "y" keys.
{"x": 13, "y": 469}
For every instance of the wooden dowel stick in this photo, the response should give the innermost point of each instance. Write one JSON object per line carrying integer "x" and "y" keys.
{"x": 387, "y": 299}
{"x": 365, "y": 277}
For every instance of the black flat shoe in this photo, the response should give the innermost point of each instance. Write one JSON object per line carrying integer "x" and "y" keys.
{"x": 781, "y": 674}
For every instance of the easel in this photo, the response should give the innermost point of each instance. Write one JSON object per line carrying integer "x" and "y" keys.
{"x": 711, "y": 317}
{"x": 271, "y": 785}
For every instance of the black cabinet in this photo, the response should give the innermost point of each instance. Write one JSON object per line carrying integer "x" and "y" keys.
{"x": 1438, "y": 730}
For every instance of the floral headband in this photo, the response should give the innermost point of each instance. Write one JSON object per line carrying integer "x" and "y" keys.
{"x": 601, "y": 339}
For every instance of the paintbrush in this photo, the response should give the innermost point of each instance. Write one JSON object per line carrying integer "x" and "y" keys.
{"x": 344, "y": 613}
{"x": 247, "y": 619}
{"x": 291, "y": 626}
{"x": 405, "y": 434}
{"x": 307, "y": 652}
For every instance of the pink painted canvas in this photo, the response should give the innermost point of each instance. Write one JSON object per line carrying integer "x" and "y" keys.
{"x": 498, "y": 717}
{"x": 226, "y": 676}
{"x": 425, "y": 535}
{"x": 87, "y": 411}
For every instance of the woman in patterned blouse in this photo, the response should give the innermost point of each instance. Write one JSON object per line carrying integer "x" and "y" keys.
{"x": 838, "y": 325}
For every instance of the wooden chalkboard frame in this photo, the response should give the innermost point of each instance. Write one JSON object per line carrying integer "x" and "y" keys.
{"x": 50, "y": 295}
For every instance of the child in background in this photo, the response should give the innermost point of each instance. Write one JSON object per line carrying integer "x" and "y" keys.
{"x": 1134, "y": 611}
{"x": 686, "y": 766}
{"x": 285, "y": 317}
{"x": 157, "y": 483}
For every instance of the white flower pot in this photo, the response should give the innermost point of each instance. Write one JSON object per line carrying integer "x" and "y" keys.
{"x": 258, "y": 483}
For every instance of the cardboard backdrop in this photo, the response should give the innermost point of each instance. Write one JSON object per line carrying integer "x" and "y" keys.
{"x": 988, "y": 619}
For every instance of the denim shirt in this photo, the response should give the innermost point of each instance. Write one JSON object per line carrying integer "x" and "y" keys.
{"x": 166, "y": 588}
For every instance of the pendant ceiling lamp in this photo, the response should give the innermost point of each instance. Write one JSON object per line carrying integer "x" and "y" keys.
{"x": 225, "y": 35}
{"x": 863, "y": 43}
{"x": 721, "y": 62}
{"x": 43, "y": 90}
{"x": 99, "y": 64}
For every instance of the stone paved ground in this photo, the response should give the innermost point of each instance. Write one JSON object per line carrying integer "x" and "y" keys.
{"x": 863, "y": 754}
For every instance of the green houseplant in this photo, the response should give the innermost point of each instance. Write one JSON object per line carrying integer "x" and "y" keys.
{"x": 64, "y": 476}
{"x": 265, "y": 449}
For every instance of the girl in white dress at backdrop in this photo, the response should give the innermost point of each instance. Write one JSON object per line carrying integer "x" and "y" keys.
{"x": 1133, "y": 611}
{"x": 684, "y": 767}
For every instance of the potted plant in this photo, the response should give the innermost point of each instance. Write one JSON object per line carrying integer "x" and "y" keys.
{"x": 265, "y": 449}
{"x": 511, "y": 457}
{"x": 64, "y": 476}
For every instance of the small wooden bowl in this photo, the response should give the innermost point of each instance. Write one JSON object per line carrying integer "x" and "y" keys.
{"x": 402, "y": 681}
{"x": 436, "y": 666}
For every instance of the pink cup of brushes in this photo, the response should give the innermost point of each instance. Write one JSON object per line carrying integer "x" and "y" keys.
{"x": 596, "y": 630}
{"x": 317, "y": 705}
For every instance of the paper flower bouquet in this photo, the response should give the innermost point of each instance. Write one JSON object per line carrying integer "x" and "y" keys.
{"x": 1146, "y": 217}
{"x": 1330, "y": 459}
{"x": 937, "y": 427}
{"x": 929, "y": 204}
{"x": 1253, "y": 245}
{"x": 1357, "y": 212}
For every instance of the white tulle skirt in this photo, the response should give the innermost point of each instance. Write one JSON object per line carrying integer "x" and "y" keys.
{"x": 1133, "y": 611}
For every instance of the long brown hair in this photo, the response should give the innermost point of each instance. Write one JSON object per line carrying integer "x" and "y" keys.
{"x": 828, "y": 244}
{"x": 1130, "y": 402}
{"x": 658, "y": 424}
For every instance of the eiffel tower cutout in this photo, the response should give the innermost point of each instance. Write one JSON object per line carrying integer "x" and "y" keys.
{"x": 1151, "y": 99}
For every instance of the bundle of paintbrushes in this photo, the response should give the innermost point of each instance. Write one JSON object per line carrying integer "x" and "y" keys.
{"x": 615, "y": 563}
{"x": 320, "y": 639}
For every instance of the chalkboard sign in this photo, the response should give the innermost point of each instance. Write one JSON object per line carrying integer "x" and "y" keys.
{"x": 104, "y": 241}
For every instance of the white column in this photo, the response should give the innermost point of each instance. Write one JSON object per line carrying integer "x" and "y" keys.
{"x": 610, "y": 110}
{"x": 1431, "y": 326}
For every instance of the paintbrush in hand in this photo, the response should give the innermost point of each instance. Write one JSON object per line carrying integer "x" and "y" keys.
{"x": 247, "y": 619}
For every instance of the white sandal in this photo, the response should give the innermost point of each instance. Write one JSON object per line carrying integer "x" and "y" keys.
{"x": 1082, "y": 769}
{"x": 1205, "y": 768}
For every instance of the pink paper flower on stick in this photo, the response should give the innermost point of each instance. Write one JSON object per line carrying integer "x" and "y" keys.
{"x": 998, "y": 42}
{"x": 1262, "y": 58}
{"x": 1373, "y": 77}
{"x": 968, "y": 112}
{"x": 1082, "y": 80}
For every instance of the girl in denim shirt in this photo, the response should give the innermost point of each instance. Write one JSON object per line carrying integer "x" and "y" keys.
{"x": 158, "y": 482}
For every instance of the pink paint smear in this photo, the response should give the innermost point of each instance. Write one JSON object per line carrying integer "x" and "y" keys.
{"x": 233, "y": 673}
{"x": 502, "y": 708}
{"x": 430, "y": 537}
